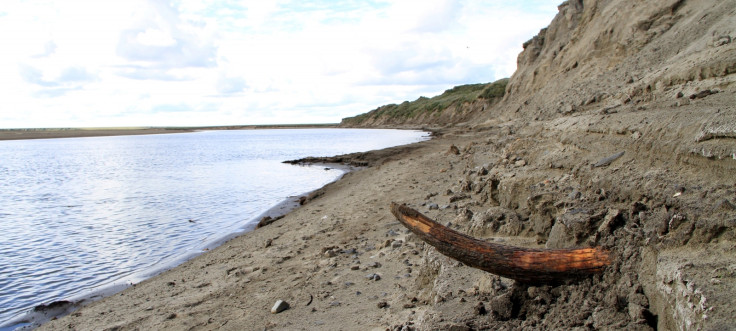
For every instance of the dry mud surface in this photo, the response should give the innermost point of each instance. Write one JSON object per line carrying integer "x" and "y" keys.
{"x": 343, "y": 262}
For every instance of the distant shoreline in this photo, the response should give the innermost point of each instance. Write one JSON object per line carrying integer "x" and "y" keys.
{"x": 52, "y": 133}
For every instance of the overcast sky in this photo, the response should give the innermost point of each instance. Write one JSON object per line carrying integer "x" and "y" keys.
{"x": 75, "y": 63}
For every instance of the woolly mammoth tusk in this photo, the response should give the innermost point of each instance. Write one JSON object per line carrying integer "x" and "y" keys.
{"x": 521, "y": 264}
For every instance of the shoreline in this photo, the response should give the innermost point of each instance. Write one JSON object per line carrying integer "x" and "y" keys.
{"x": 44, "y": 312}
{"x": 283, "y": 213}
{"x": 56, "y": 133}
{"x": 28, "y": 134}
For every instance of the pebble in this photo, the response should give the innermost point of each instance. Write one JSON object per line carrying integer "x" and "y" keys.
{"x": 501, "y": 306}
{"x": 375, "y": 277}
{"x": 702, "y": 94}
{"x": 608, "y": 160}
{"x": 480, "y": 309}
{"x": 722, "y": 40}
{"x": 374, "y": 265}
{"x": 434, "y": 206}
{"x": 454, "y": 150}
{"x": 279, "y": 306}
{"x": 382, "y": 304}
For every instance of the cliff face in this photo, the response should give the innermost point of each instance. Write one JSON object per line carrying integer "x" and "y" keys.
{"x": 602, "y": 53}
{"x": 652, "y": 83}
{"x": 656, "y": 80}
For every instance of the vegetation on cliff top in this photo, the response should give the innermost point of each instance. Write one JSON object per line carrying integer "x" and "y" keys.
{"x": 454, "y": 96}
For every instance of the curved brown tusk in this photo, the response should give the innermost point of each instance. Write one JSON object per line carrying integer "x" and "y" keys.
{"x": 521, "y": 264}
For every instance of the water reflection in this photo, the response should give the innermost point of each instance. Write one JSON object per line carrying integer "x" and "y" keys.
{"x": 77, "y": 213}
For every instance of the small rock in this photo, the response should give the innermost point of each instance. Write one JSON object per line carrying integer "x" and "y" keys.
{"x": 722, "y": 40}
{"x": 636, "y": 312}
{"x": 676, "y": 220}
{"x": 396, "y": 244}
{"x": 375, "y": 277}
{"x": 501, "y": 306}
{"x": 608, "y": 160}
{"x": 566, "y": 109}
{"x": 454, "y": 150}
{"x": 610, "y": 222}
{"x": 266, "y": 220}
{"x": 433, "y": 206}
{"x": 702, "y": 94}
{"x": 279, "y": 306}
{"x": 520, "y": 163}
{"x": 335, "y": 303}
{"x": 355, "y": 267}
{"x": 171, "y": 316}
{"x": 374, "y": 265}
{"x": 480, "y": 309}
{"x": 382, "y": 304}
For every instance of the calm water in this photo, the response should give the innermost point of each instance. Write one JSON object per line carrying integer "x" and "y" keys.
{"x": 80, "y": 213}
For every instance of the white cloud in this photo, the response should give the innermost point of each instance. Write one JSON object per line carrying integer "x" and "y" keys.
{"x": 155, "y": 37}
{"x": 197, "y": 62}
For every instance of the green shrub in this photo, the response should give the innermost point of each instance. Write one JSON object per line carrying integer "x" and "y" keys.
{"x": 456, "y": 95}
